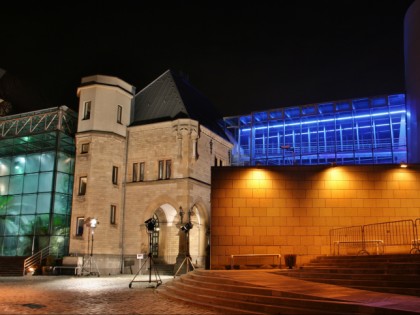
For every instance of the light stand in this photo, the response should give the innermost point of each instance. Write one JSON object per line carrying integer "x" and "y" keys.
{"x": 150, "y": 228}
{"x": 91, "y": 223}
{"x": 186, "y": 228}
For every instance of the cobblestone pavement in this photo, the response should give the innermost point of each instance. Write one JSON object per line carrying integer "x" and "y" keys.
{"x": 89, "y": 295}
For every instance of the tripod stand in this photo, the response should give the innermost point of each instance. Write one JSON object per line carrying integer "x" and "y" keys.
{"x": 187, "y": 258}
{"x": 90, "y": 260}
{"x": 151, "y": 266}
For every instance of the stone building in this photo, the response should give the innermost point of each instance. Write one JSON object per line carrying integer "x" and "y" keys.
{"x": 141, "y": 156}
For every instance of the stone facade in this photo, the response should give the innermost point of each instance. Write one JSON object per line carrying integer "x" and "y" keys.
{"x": 291, "y": 210}
{"x": 161, "y": 167}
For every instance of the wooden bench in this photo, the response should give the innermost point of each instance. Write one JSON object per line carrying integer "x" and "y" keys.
{"x": 70, "y": 262}
{"x": 232, "y": 257}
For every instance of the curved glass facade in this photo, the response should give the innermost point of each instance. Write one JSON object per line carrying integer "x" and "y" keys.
{"x": 36, "y": 182}
{"x": 357, "y": 131}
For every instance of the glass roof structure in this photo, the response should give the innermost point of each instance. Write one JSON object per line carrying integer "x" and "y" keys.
{"x": 357, "y": 131}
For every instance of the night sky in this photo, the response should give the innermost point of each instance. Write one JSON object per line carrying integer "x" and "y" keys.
{"x": 244, "y": 56}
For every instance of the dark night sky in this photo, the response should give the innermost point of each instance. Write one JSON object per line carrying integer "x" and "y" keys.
{"x": 244, "y": 56}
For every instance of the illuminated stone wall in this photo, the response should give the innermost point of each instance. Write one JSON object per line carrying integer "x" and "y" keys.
{"x": 291, "y": 209}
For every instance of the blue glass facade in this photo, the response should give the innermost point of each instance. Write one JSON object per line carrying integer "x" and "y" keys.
{"x": 36, "y": 181}
{"x": 357, "y": 131}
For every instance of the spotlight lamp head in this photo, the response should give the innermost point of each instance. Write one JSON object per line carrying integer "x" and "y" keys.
{"x": 150, "y": 225}
{"x": 188, "y": 226}
{"x": 92, "y": 222}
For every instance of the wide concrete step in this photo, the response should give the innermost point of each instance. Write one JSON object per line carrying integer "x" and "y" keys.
{"x": 406, "y": 279}
{"x": 11, "y": 266}
{"x": 209, "y": 289}
{"x": 224, "y": 297}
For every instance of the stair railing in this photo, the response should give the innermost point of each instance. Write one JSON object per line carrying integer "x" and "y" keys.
{"x": 35, "y": 259}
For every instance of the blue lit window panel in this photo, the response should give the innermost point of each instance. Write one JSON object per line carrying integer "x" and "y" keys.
{"x": 291, "y": 112}
{"x": 309, "y": 144}
{"x": 43, "y": 204}
{"x": 33, "y": 163}
{"x": 309, "y": 110}
{"x": 47, "y": 161}
{"x": 381, "y": 129}
{"x": 24, "y": 246}
{"x": 275, "y": 114}
{"x": 363, "y": 103}
{"x": 59, "y": 244}
{"x": 18, "y": 165}
{"x": 245, "y": 120}
{"x": 259, "y": 117}
{"x": 275, "y": 137}
{"x": 5, "y": 166}
{"x": 16, "y": 185}
{"x": 260, "y": 140}
{"x": 30, "y": 184}
{"x": 398, "y": 133}
{"x": 363, "y": 132}
{"x": 345, "y": 137}
{"x": 343, "y": 105}
{"x": 398, "y": 99}
{"x": 45, "y": 181}
{"x": 380, "y": 101}
{"x": 327, "y": 108}
{"x": 326, "y": 139}
{"x": 27, "y": 224}
{"x": 4, "y": 185}
{"x": 29, "y": 204}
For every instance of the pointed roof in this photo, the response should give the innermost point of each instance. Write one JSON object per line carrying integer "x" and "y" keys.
{"x": 171, "y": 96}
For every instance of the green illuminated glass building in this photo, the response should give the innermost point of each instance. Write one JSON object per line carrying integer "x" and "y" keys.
{"x": 36, "y": 181}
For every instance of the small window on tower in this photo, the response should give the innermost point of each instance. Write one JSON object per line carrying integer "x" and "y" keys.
{"x": 86, "y": 110}
{"x": 85, "y": 148}
{"x": 119, "y": 114}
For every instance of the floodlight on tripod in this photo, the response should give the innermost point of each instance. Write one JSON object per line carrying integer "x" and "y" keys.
{"x": 91, "y": 223}
{"x": 186, "y": 228}
{"x": 150, "y": 228}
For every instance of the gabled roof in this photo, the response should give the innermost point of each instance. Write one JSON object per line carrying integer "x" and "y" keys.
{"x": 172, "y": 96}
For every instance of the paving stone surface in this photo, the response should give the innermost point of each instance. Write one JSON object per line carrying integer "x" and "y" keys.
{"x": 89, "y": 295}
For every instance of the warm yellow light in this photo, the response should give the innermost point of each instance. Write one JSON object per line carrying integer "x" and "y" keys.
{"x": 403, "y": 165}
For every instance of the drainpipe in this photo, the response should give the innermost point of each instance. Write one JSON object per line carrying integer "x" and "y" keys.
{"x": 123, "y": 202}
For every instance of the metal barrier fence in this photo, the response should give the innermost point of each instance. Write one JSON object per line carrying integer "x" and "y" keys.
{"x": 392, "y": 237}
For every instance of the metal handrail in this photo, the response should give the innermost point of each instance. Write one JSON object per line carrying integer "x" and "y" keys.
{"x": 36, "y": 259}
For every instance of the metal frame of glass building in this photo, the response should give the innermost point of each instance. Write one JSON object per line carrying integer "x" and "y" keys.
{"x": 36, "y": 181}
{"x": 357, "y": 131}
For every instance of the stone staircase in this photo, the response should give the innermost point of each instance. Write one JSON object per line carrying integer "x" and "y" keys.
{"x": 216, "y": 292}
{"x": 398, "y": 274}
{"x": 11, "y": 266}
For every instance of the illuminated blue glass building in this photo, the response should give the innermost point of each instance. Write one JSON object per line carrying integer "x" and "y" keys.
{"x": 356, "y": 131}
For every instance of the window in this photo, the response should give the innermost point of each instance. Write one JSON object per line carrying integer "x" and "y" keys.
{"x": 168, "y": 169}
{"x": 85, "y": 148}
{"x": 142, "y": 171}
{"x": 113, "y": 214}
{"x": 119, "y": 114}
{"x": 215, "y": 161}
{"x": 160, "y": 171}
{"x": 220, "y": 162}
{"x": 115, "y": 175}
{"x": 135, "y": 171}
{"x": 86, "y": 111}
{"x": 80, "y": 222}
{"x": 82, "y": 185}
{"x": 138, "y": 174}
